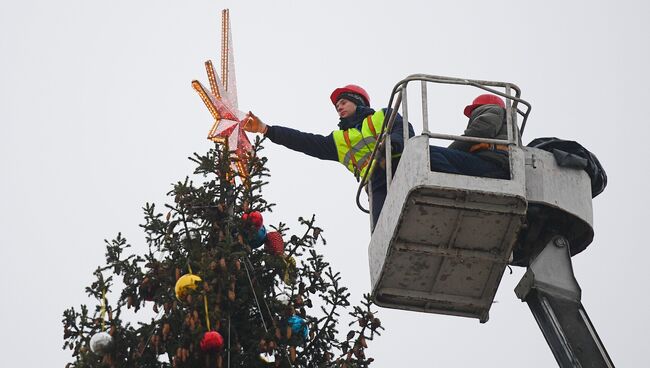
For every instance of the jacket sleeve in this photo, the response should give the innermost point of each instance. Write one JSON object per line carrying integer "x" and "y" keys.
{"x": 315, "y": 145}
{"x": 397, "y": 133}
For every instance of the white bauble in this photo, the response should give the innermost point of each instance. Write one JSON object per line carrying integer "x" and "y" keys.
{"x": 101, "y": 343}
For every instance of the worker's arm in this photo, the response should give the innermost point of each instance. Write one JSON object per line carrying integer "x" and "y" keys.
{"x": 315, "y": 145}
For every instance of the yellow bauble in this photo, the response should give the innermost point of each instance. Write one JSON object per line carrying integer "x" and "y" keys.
{"x": 184, "y": 284}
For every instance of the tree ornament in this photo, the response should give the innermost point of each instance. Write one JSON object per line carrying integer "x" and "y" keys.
{"x": 211, "y": 341}
{"x": 254, "y": 218}
{"x": 221, "y": 101}
{"x": 298, "y": 326}
{"x": 259, "y": 237}
{"x": 274, "y": 243}
{"x": 185, "y": 284}
{"x": 283, "y": 299}
{"x": 101, "y": 343}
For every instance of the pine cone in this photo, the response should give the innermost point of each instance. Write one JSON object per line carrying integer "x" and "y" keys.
{"x": 376, "y": 323}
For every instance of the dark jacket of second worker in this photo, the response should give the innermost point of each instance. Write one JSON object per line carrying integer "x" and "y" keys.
{"x": 487, "y": 121}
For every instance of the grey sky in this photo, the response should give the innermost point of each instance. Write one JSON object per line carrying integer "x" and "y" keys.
{"x": 98, "y": 117}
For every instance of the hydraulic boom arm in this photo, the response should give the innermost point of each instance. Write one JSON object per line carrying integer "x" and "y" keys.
{"x": 553, "y": 295}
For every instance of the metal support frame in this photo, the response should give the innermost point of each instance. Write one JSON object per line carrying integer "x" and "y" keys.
{"x": 551, "y": 291}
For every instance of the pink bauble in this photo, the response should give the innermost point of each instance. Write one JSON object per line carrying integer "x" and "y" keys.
{"x": 211, "y": 341}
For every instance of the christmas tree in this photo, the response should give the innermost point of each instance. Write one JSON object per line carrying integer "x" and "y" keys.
{"x": 226, "y": 289}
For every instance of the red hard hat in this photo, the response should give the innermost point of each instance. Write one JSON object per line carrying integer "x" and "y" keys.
{"x": 486, "y": 99}
{"x": 350, "y": 88}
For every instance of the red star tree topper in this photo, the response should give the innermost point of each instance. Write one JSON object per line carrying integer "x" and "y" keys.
{"x": 221, "y": 101}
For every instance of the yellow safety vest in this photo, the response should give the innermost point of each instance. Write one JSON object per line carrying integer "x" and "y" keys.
{"x": 355, "y": 146}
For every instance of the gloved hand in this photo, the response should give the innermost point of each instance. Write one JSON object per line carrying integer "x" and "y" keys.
{"x": 253, "y": 124}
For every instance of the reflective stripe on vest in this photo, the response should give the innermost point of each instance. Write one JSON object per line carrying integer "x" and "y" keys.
{"x": 371, "y": 125}
{"x": 351, "y": 151}
{"x": 363, "y": 142}
{"x": 354, "y": 146}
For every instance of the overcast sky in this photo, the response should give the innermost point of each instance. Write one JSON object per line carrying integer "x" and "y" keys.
{"x": 98, "y": 117}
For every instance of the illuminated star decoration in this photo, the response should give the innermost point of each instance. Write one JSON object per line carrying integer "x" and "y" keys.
{"x": 221, "y": 101}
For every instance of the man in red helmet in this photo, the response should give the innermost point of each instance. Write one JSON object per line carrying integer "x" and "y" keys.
{"x": 352, "y": 144}
{"x": 487, "y": 119}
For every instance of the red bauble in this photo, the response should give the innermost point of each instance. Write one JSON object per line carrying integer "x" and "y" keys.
{"x": 274, "y": 243}
{"x": 254, "y": 218}
{"x": 211, "y": 341}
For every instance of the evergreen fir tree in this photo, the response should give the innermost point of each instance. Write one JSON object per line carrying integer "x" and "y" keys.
{"x": 239, "y": 303}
